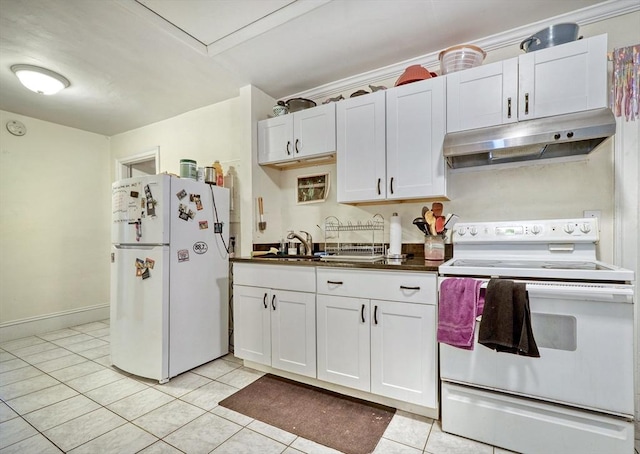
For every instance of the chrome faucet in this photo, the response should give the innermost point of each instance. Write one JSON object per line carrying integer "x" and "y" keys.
{"x": 307, "y": 242}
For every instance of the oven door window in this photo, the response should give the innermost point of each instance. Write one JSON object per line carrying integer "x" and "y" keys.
{"x": 558, "y": 332}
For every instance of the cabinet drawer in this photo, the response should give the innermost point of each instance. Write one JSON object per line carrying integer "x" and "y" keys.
{"x": 285, "y": 277}
{"x": 413, "y": 287}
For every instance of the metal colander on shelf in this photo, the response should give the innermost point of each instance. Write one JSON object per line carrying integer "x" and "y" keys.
{"x": 461, "y": 57}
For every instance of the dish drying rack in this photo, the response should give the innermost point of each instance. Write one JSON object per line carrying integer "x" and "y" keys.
{"x": 359, "y": 241}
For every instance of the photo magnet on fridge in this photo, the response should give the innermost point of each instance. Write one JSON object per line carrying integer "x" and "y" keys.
{"x": 203, "y": 225}
{"x": 183, "y": 255}
{"x": 151, "y": 204}
{"x": 195, "y": 198}
{"x": 146, "y": 274}
{"x": 183, "y": 212}
{"x": 151, "y": 207}
{"x": 149, "y": 263}
{"x": 182, "y": 194}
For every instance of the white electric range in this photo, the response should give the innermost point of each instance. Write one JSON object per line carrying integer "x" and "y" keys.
{"x": 579, "y": 395}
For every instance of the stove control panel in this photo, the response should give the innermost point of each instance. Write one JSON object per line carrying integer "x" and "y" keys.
{"x": 581, "y": 230}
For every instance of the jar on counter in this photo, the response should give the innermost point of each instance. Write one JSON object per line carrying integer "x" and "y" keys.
{"x": 433, "y": 247}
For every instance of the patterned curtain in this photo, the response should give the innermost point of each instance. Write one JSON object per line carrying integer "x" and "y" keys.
{"x": 625, "y": 87}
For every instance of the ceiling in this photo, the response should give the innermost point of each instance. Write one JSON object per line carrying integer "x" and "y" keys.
{"x": 132, "y": 63}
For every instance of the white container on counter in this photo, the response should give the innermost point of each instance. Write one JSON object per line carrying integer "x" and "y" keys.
{"x": 395, "y": 236}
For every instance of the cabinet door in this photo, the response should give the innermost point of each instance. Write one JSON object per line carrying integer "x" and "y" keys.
{"x": 275, "y": 137}
{"x": 403, "y": 352}
{"x": 314, "y": 131}
{"x": 252, "y": 327}
{"x": 361, "y": 147}
{"x": 483, "y": 96}
{"x": 293, "y": 332}
{"x": 343, "y": 341}
{"x": 415, "y": 132}
{"x": 563, "y": 79}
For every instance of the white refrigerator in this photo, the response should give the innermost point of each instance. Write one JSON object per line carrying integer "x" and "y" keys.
{"x": 169, "y": 275}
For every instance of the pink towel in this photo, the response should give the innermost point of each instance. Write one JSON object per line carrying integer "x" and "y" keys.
{"x": 458, "y": 307}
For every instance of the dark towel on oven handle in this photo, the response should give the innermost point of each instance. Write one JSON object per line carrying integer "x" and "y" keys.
{"x": 506, "y": 319}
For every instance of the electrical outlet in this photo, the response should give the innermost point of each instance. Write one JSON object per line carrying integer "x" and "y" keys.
{"x": 592, "y": 214}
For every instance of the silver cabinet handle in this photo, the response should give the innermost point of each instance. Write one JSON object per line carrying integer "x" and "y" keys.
{"x": 508, "y": 107}
{"x": 404, "y": 287}
{"x": 273, "y": 302}
{"x": 526, "y": 103}
{"x": 335, "y": 282}
{"x": 288, "y": 147}
{"x": 362, "y": 313}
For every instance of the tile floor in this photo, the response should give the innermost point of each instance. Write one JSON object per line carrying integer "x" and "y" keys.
{"x": 60, "y": 393}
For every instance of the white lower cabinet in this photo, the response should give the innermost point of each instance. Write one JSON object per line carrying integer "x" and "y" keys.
{"x": 403, "y": 352}
{"x": 365, "y": 329}
{"x": 377, "y": 333}
{"x": 344, "y": 348}
{"x": 275, "y": 316}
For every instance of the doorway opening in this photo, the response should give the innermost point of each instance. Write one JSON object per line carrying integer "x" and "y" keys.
{"x": 145, "y": 163}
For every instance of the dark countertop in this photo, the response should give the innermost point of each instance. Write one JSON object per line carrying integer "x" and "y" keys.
{"x": 410, "y": 264}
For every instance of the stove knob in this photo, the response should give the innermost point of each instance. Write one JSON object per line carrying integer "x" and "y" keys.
{"x": 473, "y": 231}
{"x": 569, "y": 228}
{"x": 585, "y": 228}
{"x": 461, "y": 231}
{"x": 535, "y": 229}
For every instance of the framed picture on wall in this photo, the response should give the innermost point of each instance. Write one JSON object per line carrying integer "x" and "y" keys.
{"x": 312, "y": 188}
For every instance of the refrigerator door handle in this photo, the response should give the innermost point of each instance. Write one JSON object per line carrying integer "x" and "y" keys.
{"x": 138, "y": 246}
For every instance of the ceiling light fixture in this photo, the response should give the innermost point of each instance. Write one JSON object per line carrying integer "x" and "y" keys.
{"x": 41, "y": 80}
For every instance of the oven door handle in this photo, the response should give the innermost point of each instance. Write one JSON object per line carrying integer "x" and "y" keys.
{"x": 590, "y": 292}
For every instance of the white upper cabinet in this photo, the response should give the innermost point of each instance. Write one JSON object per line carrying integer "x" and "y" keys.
{"x": 306, "y": 134}
{"x": 483, "y": 96}
{"x": 415, "y": 133}
{"x": 389, "y": 144}
{"x": 361, "y": 147}
{"x": 563, "y": 79}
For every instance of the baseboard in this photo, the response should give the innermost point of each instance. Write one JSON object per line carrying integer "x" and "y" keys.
{"x": 52, "y": 322}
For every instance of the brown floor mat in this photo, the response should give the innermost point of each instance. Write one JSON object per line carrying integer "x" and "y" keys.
{"x": 347, "y": 424}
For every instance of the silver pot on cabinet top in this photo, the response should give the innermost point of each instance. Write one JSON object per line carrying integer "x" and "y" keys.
{"x": 551, "y": 36}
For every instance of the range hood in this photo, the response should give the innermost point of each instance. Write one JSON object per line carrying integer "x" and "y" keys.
{"x": 551, "y": 137}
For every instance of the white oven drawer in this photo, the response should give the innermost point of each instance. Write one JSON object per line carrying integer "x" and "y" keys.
{"x": 525, "y": 425}
{"x": 411, "y": 287}
{"x": 586, "y": 353}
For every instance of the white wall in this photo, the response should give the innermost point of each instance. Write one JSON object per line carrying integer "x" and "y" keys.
{"x": 204, "y": 135}
{"x": 54, "y": 247}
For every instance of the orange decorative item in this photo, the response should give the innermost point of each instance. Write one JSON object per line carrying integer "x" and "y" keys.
{"x": 413, "y": 73}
